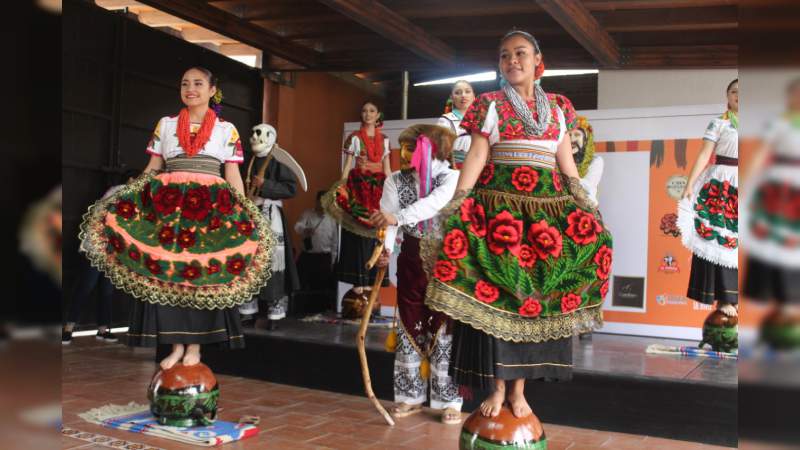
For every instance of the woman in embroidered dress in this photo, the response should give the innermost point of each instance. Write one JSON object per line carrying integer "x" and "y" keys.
{"x": 708, "y": 212}
{"x": 353, "y": 199}
{"x": 524, "y": 262}
{"x": 771, "y": 229}
{"x": 461, "y": 97}
{"x": 181, "y": 239}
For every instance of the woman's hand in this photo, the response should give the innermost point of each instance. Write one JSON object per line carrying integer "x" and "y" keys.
{"x": 687, "y": 191}
{"x": 380, "y": 219}
{"x": 383, "y": 260}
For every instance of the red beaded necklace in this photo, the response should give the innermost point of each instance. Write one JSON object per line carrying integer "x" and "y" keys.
{"x": 192, "y": 145}
{"x": 374, "y": 144}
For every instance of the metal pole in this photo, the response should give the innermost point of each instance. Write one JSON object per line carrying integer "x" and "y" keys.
{"x": 404, "y": 110}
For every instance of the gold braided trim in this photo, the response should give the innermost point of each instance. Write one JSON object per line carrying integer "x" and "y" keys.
{"x": 553, "y": 206}
{"x": 580, "y": 195}
{"x": 164, "y": 293}
{"x": 506, "y": 325}
{"x": 341, "y": 216}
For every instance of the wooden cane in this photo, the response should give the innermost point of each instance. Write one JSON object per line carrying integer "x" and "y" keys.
{"x": 362, "y": 330}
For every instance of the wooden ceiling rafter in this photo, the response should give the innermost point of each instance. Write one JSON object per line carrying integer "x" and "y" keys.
{"x": 228, "y": 24}
{"x": 584, "y": 28}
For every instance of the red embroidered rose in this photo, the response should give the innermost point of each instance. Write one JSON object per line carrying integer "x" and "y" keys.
{"x": 760, "y": 230}
{"x": 486, "y": 292}
{"x": 196, "y": 203}
{"x": 455, "y": 244}
{"x": 726, "y": 187}
{"x": 772, "y": 198}
{"x": 603, "y": 259}
{"x": 557, "y": 181}
{"x": 474, "y": 213}
{"x": 731, "y": 242}
{"x": 713, "y": 190}
{"x": 546, "y": 240}
{"x": 245, "y": 227}
{"x": 190, "y": 272}
{"x": 604, "y": 290}
{"x": 213, "y": 267}
{"x": 530, "y": 308}
{"x": 126, "y": 209}
{"x": 570, "y": 302}
{"x": 224, "y": 202}
{"x": 714, "y": 205}
{"x": 445, "y": 271}
{"x": 505, "y": 232}
{"x": 235, "y": 265}
{"x": 134, "y": 254}
{"x": 704, "y": 231}
{"x": 151, "y": 217}
{"x": 116, "y": 243}
{"x": 486, "y": 174}
{"x": 583, "y": 227}
{"x": 791, "y": 208}
{"x": 731, "y": 207}
{"x": 167, "y": 235}
{"x": 186, "y": 238}
{"x": 152, "y": 265}
{"x": 524, "y": 179}
{"x": 513, "y": 129}
{"x": 145, "y": 196}
{"x": 527, "y": 256}
{"x": 214, "y": 223}
{"x": 167, "y": 200}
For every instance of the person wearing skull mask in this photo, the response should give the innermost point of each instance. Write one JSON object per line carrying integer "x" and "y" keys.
{"x": 590, "y": 166}
{"x": 269, "y": 183}
{"x": 182, "y": 239}
{"x": 411, "y": 197}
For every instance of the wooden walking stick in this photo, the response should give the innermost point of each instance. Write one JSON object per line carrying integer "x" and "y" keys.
{"x": 362, "y": 330}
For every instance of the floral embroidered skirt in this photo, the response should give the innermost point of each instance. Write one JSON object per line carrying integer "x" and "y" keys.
{"x": 350, "y": 202}
{"x": 771, "y": 217}
{"x": 523, "y": 268}
{"x": 709, "y": 221}
{"x": 188, "y": 247}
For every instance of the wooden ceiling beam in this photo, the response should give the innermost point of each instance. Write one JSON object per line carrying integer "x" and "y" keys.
{"x": 581, "y": 25}
{"x": 219, "y": 21}
{"x": 160, "y": 19}
{"x": 695, "y": 19}
{"x": 394, "y": 27}
{"x": 666, "y": 57}
{"x": 613, "y": 5}
{"x": 117, "y": 4}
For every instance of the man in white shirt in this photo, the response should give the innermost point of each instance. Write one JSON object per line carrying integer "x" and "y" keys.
{"x": 320, "y": 235}
{"x": 409, "y": 204}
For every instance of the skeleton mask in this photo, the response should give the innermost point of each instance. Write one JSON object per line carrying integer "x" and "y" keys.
{"x": 263, "y": 139}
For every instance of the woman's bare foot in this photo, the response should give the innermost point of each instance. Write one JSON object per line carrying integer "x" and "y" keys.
{"x": 494, "y": 402}
{"x": 729, "y": 310}
{"x": 519, "y": 405}
{"x": 192, "y": 355}
{"x": 172, "y": 358}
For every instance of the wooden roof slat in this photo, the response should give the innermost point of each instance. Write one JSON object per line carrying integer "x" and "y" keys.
{"x": 227, "y": 24}
{"x": 387, "y": 23}
{"x": 581, "y": 25}
{"x": 693, "y": 19}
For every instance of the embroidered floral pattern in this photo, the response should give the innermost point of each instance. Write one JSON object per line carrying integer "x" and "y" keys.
{"x": 550, "y": 262}
{"x": 717, "y": 213}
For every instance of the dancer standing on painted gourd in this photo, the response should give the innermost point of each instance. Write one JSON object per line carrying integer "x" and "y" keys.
{"x": 708, "y": 212}
{"x": 181, "y": 239}
{"x": 525, "y": 261}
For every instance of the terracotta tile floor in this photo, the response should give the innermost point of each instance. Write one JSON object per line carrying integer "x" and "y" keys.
{"x": 94, "y": 374}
